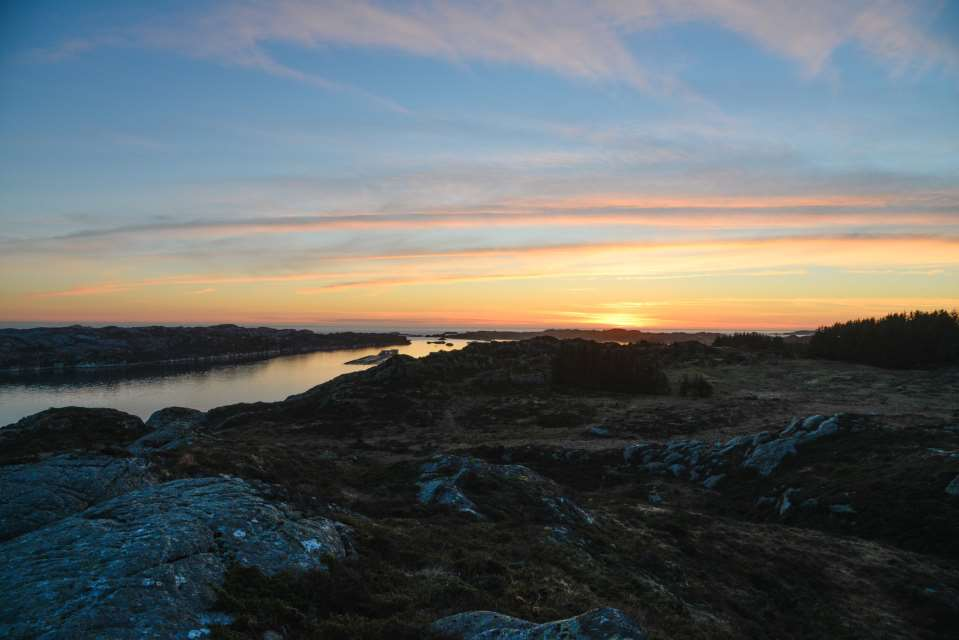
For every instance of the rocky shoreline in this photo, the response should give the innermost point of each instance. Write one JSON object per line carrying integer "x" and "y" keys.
{"x": 77, "y": 347}
{"x": 468, "y": 495}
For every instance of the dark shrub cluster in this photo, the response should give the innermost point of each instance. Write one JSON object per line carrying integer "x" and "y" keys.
{"x": 695, "y": 386}
{"x": 899, "y": 341}
{"x": 760, "y": 343}
{"x": 349, "y": 602}
{"x": 607, "y": 366}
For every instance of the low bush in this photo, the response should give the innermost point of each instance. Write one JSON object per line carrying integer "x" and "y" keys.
{"x": 695, "y": 386}
{"x": 608, "y": 366}
{"x": 762, "y": 343}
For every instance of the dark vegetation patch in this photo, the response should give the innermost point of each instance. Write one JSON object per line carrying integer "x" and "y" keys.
{"x": 892, "y": 479}
{"x": 580, "y": 469}
{"x": 671, "y": 419}
{"x": 407, "y": 575}
{"x": 695, "y": 386}
{"x": 899, "y": 341}
{"x": 565, "y": 419}
{"x": 755, "y": 342}
{"x": 497, "y": 411}
{"x": 683, "y": 575}
{"x": 68, "y": 429}
{"x": 608, "y": 366}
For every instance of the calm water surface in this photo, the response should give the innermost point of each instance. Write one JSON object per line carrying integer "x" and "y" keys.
{"x": 143, "y": 390}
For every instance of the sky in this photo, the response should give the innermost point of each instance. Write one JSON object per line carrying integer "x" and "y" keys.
{"x": 690, "y": 164}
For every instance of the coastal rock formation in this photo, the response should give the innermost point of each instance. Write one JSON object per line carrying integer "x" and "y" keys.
{"x": 145, "y": 565}
{"x": 37, "y": 494}
{"x": 173, "y": 428}
{"x": 765, "y": 457}
{"x": 502, "y": 490}
{"x": 598, "y": 624}
{"x": 85, "y": 347}
{"x": 761, "y": 452}
{"x": 68, "y": 429}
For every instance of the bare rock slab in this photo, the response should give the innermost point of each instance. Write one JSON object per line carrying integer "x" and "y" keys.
{"x": 481, "y": 490}
{"x": 146, "y": 564}
{"x": 598, "y": 624}
{"x": 172, "y": 428}
{"x": 35, "y": 495}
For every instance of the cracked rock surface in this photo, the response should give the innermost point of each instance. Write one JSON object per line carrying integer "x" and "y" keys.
{"x": 145, "y": 564}
{"x": 761, "y": 452}
{"x": 598, "y": 624}
{"x": 172, "y": 428}
{"x": 458, "y": 482}
{"x": 37, "y": 494}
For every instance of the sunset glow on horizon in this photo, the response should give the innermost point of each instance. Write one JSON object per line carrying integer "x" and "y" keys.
{"x": 683, "y": 165}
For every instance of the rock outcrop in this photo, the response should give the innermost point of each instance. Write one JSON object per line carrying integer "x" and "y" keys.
{"x": 761, "y": 452}
{"x": 765, "y": 457}
{"x": 68, "y": 429}
{"x": 145, "y": 564}
{"x": 953, "y": 487}
{"x": 172, "y": 428}
{"x": 37, "y": 494}
{"x": 459, "y": 483}
{"x": 598, "y": 624}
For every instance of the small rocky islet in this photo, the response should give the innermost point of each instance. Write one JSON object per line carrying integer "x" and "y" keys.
{"x": 484, "y": 493}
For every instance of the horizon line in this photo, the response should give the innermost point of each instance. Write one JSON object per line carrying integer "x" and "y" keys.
{"x": 408, "y": 330}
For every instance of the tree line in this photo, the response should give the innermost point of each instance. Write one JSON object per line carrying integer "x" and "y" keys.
{"x": 900, "y": 340}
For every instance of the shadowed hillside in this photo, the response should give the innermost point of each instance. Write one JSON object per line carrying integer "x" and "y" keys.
{"x": 77, "y": 346}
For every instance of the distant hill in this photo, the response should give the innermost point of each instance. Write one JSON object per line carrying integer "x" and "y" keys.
{"x": 596, "y": 335}
{"x": 79, "y": 346}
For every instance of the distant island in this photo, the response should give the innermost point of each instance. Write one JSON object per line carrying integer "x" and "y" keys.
{"x": 89, "y": 347}
{"x": 597, "y": 335}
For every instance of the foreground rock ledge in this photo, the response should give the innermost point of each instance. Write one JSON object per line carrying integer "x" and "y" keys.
{"x": 145, "y": 564}
{"x": 598, "y": 624}
{"x": 34, "y": 495}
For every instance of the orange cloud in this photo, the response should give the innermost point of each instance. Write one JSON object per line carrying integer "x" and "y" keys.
{"x": 682, "y": 258}
{"x": 754, "y": 212}
{"x": 631, "y": 201}
{"x": 770, "y": 313}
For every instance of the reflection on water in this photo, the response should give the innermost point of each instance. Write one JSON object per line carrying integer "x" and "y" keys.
{"x": 143, "y": 390}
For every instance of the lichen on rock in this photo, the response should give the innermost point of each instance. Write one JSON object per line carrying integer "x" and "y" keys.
{"x": 598, "y": 624}
{"x": 146, "y": 564}
{"x": 460, "y": 483}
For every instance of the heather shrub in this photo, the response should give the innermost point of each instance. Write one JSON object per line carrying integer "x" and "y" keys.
{"x": 608, "y": 366}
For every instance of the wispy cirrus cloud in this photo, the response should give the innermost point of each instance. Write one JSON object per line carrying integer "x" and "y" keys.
{"x": 811, "y": 32}
{"x": 573, "y": 38}
{"x": 597, "y": 210}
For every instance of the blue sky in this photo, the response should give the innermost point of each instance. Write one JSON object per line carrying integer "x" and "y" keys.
{"x": 478, "y": 164}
